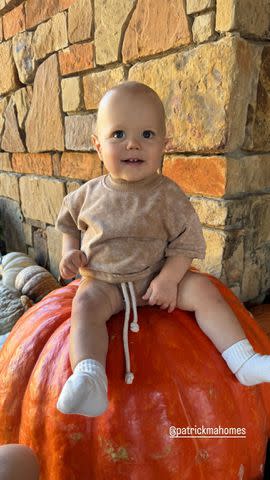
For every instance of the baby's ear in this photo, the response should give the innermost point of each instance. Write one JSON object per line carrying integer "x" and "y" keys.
{"x": 94, "y": 141}
{"x": 96, "y": 144}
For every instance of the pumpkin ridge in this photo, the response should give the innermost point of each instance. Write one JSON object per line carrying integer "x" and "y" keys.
{"x": 22, "y": 352}
{"x": 34, "y": 427}
{"x": 203, "y": 449}
{"x": 57, "y": 424}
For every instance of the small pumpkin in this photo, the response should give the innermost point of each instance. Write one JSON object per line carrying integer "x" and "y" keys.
{"x": 12, "y": 264}
{"x": 180, "y": 380}
{"x": 35, "y": 282}
{"x": 12, "y": 307}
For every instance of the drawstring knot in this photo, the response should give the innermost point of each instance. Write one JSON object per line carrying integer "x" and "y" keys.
{"x": 134, "y": 326}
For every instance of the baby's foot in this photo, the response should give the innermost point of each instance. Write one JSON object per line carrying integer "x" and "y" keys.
{"x": 85, "y": 392}
{"x": 255, "y": 370}
{"x": 249, "y": 367}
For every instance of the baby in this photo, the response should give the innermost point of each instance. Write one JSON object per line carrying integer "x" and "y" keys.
{"x": 139, "y": 229}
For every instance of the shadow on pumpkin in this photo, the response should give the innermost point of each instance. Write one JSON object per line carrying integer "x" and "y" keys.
{"x": 267, "y": 463}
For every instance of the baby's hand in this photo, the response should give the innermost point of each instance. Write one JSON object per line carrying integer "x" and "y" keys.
{"x": 163, "y": 292}
{"x": 71, "y": 263}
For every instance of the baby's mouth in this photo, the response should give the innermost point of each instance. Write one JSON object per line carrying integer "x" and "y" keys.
{"x": 133, "y": 161}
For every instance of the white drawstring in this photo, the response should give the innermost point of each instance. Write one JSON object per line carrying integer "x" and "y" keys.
{"x": 134, "y": 327}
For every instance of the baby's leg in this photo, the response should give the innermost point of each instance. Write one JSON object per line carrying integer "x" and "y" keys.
{"x": 85, "y": 392}
{"x": 214, "y": 316}
{"x": 94, "y": 304}
{"x": 217, "y": 320}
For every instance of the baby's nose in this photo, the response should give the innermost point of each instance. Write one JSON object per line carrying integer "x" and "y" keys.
{"x": 133, "y": 142}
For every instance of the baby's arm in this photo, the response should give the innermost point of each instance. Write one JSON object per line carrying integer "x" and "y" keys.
{"x": 163, "y": 288}
{"x": 175, "y": 268}
{"x": 72, "y": 257}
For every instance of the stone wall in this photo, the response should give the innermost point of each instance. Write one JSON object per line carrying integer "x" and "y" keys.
{"x": 210, "y": 63}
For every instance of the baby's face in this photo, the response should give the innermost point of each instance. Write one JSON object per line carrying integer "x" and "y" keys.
{"x": 130, "y": 135}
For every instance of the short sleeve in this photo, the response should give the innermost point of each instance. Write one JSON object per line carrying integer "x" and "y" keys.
{"x": 185, "y": 230}
{"x": 68, "y": 220}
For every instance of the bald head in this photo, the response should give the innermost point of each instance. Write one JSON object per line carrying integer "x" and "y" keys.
{"x": 131, "y": 92}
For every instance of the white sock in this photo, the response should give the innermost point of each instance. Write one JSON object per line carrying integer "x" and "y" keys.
{"x": 85, "y": 391}
{"x": 249, "y": 367}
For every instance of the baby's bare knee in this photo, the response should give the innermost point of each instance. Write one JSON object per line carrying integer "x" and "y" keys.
{"x": 205, "y": 291}
{"x": 194, "y": 291}
{"x": 88, "y": 310}
{"x": 99, "y": 298}
{"x": 199, "y": 288}
{"x": 85, "y": 299}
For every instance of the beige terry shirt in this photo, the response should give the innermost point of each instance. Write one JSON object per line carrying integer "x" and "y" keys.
{"x": 129, "y": 228}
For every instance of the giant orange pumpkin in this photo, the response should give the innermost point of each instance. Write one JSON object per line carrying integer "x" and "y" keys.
{"x": 180, "y": 380}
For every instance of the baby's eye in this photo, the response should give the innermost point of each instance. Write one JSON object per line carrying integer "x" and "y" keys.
{"x": 118, "y": 134}
{"x": 148, "y": 134}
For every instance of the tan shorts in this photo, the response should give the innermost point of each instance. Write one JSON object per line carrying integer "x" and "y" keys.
{"x": 109, "y": 296}
{"x": 140, "y": 287}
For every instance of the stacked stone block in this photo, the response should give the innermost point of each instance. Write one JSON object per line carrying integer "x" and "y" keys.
{"x": 209, "y": 62}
